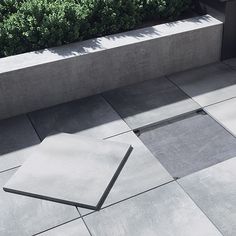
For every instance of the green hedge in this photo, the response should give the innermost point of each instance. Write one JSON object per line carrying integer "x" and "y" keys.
{"x": 27, "y": 25}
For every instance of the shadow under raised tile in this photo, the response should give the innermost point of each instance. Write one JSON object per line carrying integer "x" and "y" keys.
{"x": 27, "y": 216}
{"x": 150, "y": 102}
{"x": 208, "y": 84}
{"x": 189, "y": 144}
{"x": 17, "y": 140}
{"x": 91, "y": 116}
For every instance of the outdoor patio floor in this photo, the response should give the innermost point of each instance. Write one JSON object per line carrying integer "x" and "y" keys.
{"x": 179, "y": 180}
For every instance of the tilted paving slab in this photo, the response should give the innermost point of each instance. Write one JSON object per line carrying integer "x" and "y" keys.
{"x": 164, "y": 211}
{"x": 24, "y": 216}
{"x": 189, "y": 144}
{"x": 141, "y": 172}
{"x": 150, "y": 102}
{"x": 209, "y": 84}
{"x": 73, "y": 228}
{"x": 231, "y": 62}
{"x": 17, "y": 139}
{"x": 214, "y": 191}
{"x": 91, "y": 116}
{"x": 71, "y": 169}
{"x": 225, "y": 114}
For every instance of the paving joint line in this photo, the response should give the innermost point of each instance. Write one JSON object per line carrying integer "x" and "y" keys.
{"x": 13, "y": 168}
{"x": 31, "y": 122}
{"x": 84, "y": 222}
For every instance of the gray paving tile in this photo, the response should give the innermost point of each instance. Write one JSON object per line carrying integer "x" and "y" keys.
{"x": 225, "y": 114}
{"x": 25, "y": 216}
{"x": 231, "y": 62}
{"x": 17, "y": 139}
{"x": 74, "y": 228}
{"x": 189, "y": 144}
{"x": 91, "y": 116}
{"x": 150, "y": 102}
{"x": 141, "y": 172}
{"x": 209, "y": 84}
{"x": 164, "y": 211}
{"x": 71, "y": 169}
{"x": 214, "y": 191}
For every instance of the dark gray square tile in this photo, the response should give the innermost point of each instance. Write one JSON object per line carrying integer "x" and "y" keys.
{"x": 150, "y": 102}
{"x": 209, "y": 84}
{"x": 71, "y": 169}
{"x": 189, "y": 144}
{"x": 225, "y": 114}
{"x": 91, "y": 116}
{"x": 214, "y": 191}
{"x": 141, "y": 172}
{"x": 73, "y": 228}
{"x": 17, "y": 138}
{"x": 25, "y": 216}
{"x": 164, "y": 211}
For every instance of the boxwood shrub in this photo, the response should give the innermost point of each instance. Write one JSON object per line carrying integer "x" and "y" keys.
{"x": 27, "y": 25}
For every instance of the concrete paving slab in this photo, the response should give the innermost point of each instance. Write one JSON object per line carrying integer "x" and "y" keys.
{"x": 17, "y": 139}
{"x": 209, "y": 84}
{"x": 25, "y": 216}
{"x": 225, "y": 114}
{"x": 73, "y": 228}
{"x": 214, "y": 191}
{"x": 231, "y": 62}
{"x": 164, "y": 211}
{"x": 71, "y": 169}
{"x": 150, "y": 102}
{"x": 189, "y": 144}
{"x": 141, "y": 172}
{"x": 91, "y": 116}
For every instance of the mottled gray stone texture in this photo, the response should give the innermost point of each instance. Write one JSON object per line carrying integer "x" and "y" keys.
{"x": 26, "y": 216}
{"x": 225, "y": 114}
{"x": 53, "y": 76}
{"x": 214, "y": 191}
{"x": 17, "y": 140}
{"x": 74, "y": 170}
{"x": 150, "y": 102}
{"x": 74, "y": 228}
{"x": 189, "y": 144}
{"x": 163, "y": 211}
{"x": 231, "y": 62}
{"x": 209, "y": 84}
{"x": 141, "y": 172}
{"x": 91, "y": 116}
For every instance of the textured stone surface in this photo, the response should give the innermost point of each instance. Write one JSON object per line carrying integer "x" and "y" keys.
{"x": 141, "y": 172}
{"x": 231, "y": 62}
{"x": 91, "y": 116}
{"x": 26, "y": 216}
{"x": 17, "y": 139}
{"x": 214, "y": 191}
{"x": 74, "y": 170}
{"x": 163, "y": 211}
{"x": 53, "y": 76}
{"x": 150, "y": 102}
{"x": 208, "y": 85}
{"x": 225, "y": 114}
{"x": 189, "y": 144}
{"x": 74, "y": 228}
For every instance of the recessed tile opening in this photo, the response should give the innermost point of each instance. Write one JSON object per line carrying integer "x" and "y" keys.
{"x": 189, "y": 144}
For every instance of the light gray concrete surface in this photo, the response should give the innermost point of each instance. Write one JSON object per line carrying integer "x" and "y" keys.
{"x": 225, "y": 114}
{"x": 209, "y": 84}
{"x": 214, "y": 191}
{"x": 17, "y": 140}
{"x": 141, "y": 172}
{"x": 45, "y": 78}
{"x": 74, "y": 228}
{"x": 150, "y": 102}
{"x": 26, "y": 216}
{"x": 91, "y": 116}
{"x": 71, "y": 169}
{"x": 189, "y": 144}
{"x": 164, "y": 211}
